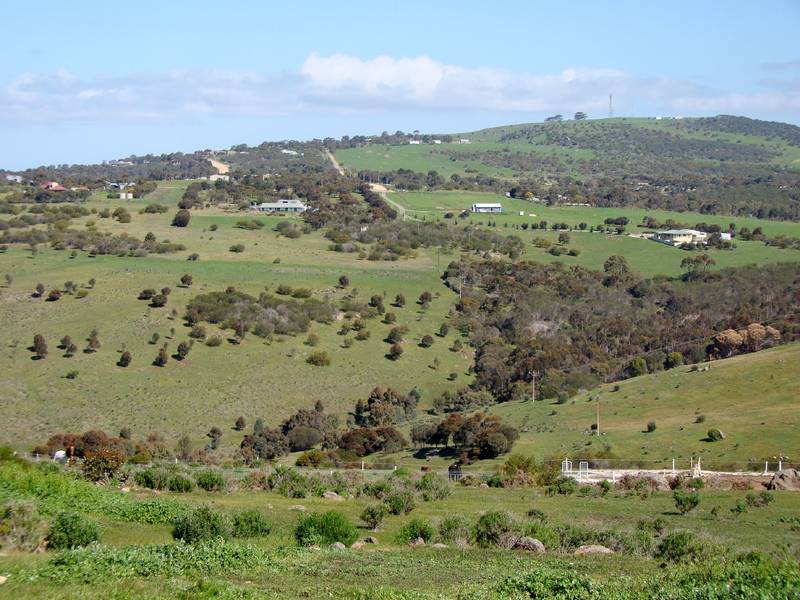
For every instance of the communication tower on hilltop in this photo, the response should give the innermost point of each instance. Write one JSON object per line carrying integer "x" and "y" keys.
{"x": 610, "y": 105}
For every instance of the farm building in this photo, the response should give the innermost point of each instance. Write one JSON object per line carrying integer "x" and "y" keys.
{"x": 282, "y": 206}
{"x": 414, "y": 142}
{"x": 13, "y": 178}
{"x": 676, "y": 237}
{"x": 53, "y": 186}
{"x": 490, "y": 207}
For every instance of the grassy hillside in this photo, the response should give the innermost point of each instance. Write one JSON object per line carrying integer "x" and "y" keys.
{"x": 212, "y": 386}
{"x": 647, "y": 257}
{"x": 751, "y": 398}
{"x": 578, "y": 147}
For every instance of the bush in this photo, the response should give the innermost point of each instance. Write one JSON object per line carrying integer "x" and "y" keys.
{"x": 563, "y": 486}
{"x": 454, "y": 529}
{"x": 71, "y": 530}
{"x": 213, "y": 341}
{"x": 21, "y": 527}
{"x": 651, "y": 426}
{"x": 181, "y": 218}
{"x": 400, "y": 502}
{"x": 251, "y": 523}
{"x": 319, "y": 359}
{"x": 715, "y": 435}
{"x": 426, "y": 341}
{"x": 154, "y": 479}
{"x": 211, "y": 481}
{"x": 101, "y": 465}
{"x": 492, "y": 527}
{"x": 237, "y": 248}
{"x": 373, "y": 515}
{"x": 201, "y": 524}
{"x": 179, "y": 483}
{"x": 322, "y": 529}
{"x": 685, "y": 501}
{"x": 433, "y": 487}
{"x": 303, "y": 438}
{"x": 759, "y": 500}
{"x": 415, "y": 529}
{"x": 677, "y": 546}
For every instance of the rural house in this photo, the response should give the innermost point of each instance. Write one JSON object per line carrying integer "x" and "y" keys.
{"x": 489, "y": 207}
{"x": 282, "y": 206}
{"x": 676, "y": 237}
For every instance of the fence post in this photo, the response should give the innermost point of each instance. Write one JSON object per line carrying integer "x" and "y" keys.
{"x": 780, "y": 466}
{"x": 766, "y": 467}
{"x": 673, "y": 466}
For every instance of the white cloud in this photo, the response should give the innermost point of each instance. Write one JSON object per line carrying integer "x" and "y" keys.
{"x": 342, "y": 84}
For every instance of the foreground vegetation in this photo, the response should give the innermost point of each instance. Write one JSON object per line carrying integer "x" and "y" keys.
{"x": 726, "y": 556}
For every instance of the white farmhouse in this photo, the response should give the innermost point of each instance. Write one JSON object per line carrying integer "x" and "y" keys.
{"x": 487, "y": 207}
{"x": 282, "y": 206}
{"x": 676, "y": 237}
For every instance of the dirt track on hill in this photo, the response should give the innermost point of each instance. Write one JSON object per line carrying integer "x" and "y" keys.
{"x": 221, "y": 168}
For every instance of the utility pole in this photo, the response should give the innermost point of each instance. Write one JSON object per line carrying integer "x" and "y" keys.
{"x": 533, "y": 386}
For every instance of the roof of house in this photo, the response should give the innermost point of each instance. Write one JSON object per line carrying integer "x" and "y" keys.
{"x": 283, "y": 203}
{"x": 681, "y": 232}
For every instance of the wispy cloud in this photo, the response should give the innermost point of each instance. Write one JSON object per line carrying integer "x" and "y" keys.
{"x": 342, "y": 84}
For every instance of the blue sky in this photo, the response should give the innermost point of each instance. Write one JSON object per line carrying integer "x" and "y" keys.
{"x": 87, "y": 81}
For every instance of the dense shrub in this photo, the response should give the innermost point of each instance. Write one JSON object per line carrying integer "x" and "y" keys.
{"x": 179, "y": 483}
{"x": 101, "y": 465}
{"x": 714, "y": 435}
{"x": 324, "y": 529}
{"x": 563, "y": 485}
{"x": 685, "y": 501}
{"x": 416, "y": 529}
{"x": 251, "y": 523}
{"x": 400, "y": 501}
{"x": 374, "y": 514}
{"x": 761, "y": 499}
{"x": 454, "y": 529}
{"x": 211, "y": 481}
{"x": 319, "y": 358}
{"x": 433, "y": 487}
{"x": 677, "y": 546}
{"x": 155, "y": 479}
{"x": 71, "y": 530}
{"x": 200, "y": 524}
{"x": 492, "y": 527}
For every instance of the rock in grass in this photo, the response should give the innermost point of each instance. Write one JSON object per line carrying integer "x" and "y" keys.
{"x": 593, "y": 549}
{"x": 530, "y": 544}
{"x": 371, "y": 540}
{"x": 329, "y": 495}
{"x": 337, "y": 546}
{"x": 439, "y": 545}
{"x": 3, "y": 579}
{"x": 356, "y": 545}
{"x": 299, "y": 507}
{"x": 417, "y": 543}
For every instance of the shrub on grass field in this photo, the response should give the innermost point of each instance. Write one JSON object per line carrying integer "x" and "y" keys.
{"x": 21, "y": 527}
{"x": 373, "y": 515}
{"x": 71, "y": 530}
{"x": 492, "y": 527}
{"x": 677, "y": 546}
{"x": 400, "y": 502}
{"x": 715, "y": 435}
{"x": 319, "y": 359}
{"x": 454, "y": 529}
{"x": 200, "y": 524}
{"x": 251, "y": 523}
{"x": 433, "y": 487}
{"x": 211, "y": 481}
{"x": 179, "y": 483}
{"x": 324, "y": 529}
{"x": 154, "y": 479}
{"x": 563, "y": 486}
{"x": 101, "y": 465}
{"x": 759, "y": 500}
{"x": 685, "y": 501}
{"x": 416, "y": 529}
